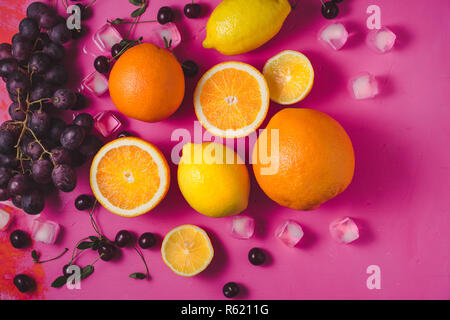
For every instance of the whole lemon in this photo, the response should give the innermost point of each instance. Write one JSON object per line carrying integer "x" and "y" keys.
{"x": 239, "y": 26}
{"x": 213, "y": 179}
{"x": 310, "y": 157}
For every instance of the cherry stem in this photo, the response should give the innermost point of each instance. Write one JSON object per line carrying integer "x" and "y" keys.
{"x": 90, "y": 4}
{"x": 145, "y": 263}
{"x": 57, "y": 257}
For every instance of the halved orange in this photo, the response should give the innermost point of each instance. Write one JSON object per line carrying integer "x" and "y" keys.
{"x": 231, "y": 99}
{"x": 187, "y": 250}
{"x": 290, "y": 77}
{"x": 129, "y": 176}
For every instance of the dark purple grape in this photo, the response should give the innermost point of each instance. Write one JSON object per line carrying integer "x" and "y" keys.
{"x": 72, "y": 137}
{"x": 192, "y": 10}
{"x": 19, "y": 184}
{"x": 21, "y": 48}
{"x": 17, "y": 201}
{"x": 4, "y": 194}
{"x": 5, "y": 175}
{"x": 34, "y": 202}
{"x": 34, "y": 150}
{"x": 79, "y": 33}
{"x": 230, "y": 290}
{"x": 41, "y": 41}
{"x": 35, "y": 10}
{"x": 86, "y": 12}
{"x": 330, "y": 10}
{"x": 64, "y": 99}
{"x": 190, "y": 68}
{"x": 60, "y": 34}
{"x": 165, "y": 15}
{"x": 61, "y": 156}
{"x": 40, "y": 91}
{"x": 17, "y": 83}
{"x": 256, "y": 256}
{"x": 29, "y": 28}
{"x": 116, "y": 50}
{"x": 8, "y": 160}
{"x": 84, "y": 120}
{"x": 5, "y": 51}
{"x": 90, "y": 145}
{"x": 107, "y": 251}
{"x": 41, "y": 171}
{"x": 101, "y": 64}
{"x": 19, "y": 239}
{"x": 15, "y": 112}
{"x": 147, "y": 240}
{"x": 24, "y": 283}
{"x": 64, "y": 177}
{"x": 55, "y": 51}
{"x": 8, "y": 66}
{"x": 40, "y": 62}
{"x": 124, "y": 134}
{"x": 123, "y": 238}
{"x": 13, "y": 127}
{"x": 39, "y": 123}
{"x": 57, "y": 75}
{"x": 47, "y": 20}
{"x": 80, "y": 102}
{"x": 56, "y": 128}
{"x": 7, "y": 141}
{"x": 78, "y": 159}
{"x": 84, "y": 202}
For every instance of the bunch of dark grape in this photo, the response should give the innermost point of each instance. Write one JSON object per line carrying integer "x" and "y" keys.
{"x": 39, "y": 151}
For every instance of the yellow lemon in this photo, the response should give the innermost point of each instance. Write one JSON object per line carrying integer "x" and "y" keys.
{"x": 290, "y": 77}
{"x": 213, "y": 179}
{"x": 187, "y": 250}
{"x": 239, "y": 26}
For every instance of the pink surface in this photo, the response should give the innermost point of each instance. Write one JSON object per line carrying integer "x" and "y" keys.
{"x": 399, "y": 196}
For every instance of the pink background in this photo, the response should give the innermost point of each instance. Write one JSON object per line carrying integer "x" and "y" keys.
{"x": 399, "y": 196}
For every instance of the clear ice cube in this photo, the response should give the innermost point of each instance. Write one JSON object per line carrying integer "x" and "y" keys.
{"x": 5, "y": 219}
{"x": 106, "y": 123}
{"x": 44, "y": 231}
{"x": 334, "y": 34}
{"x": 344, "y": 230}
{"x": 106, "y": 37}
{"x": 170, "y": 32}
{"x": 95, "y": 83}
{"x": 363, "y": 86}
{"x": 289, "y": 232}
{"x": 242, "y": 227}
{"x": 381, "y": 40}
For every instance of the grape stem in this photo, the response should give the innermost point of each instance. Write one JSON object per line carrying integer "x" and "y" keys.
{"x": 147, "y": 274}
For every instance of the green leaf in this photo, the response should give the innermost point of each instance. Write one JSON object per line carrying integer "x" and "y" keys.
{"x": 86, "y": 271}
{"x": 93, "y": 238}
{"x": 137, "y": 2}
{"x": 35, "y": 255}
{"x": 85, "y": 245}
{"x": 137, "y": 275}
{"x": 59, "y": 282}
{"x": 138, "y": 12}
{"x": 116, "y": 21}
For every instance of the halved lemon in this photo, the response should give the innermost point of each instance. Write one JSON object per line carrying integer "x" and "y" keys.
{"x": 187, "y": 250}
{"x": 290, "y": 77}
{"x": 231, "y": 99}
{"x": 129, "y": 176}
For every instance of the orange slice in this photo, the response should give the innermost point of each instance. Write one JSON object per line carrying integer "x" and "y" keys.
{"x": 129, "y": 176}
{"x": 187, "y": 250}
{"x": 231, "y": 99}
{"x": 290, "y": 77}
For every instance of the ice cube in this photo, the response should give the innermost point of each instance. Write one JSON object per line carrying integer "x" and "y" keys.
{"x": 289, "y": 232}
{"x": 344, "y": 230}
{"x": 335, "y": 35}
{"x": 5, "y": 219}
{"x": 242, "y": 227}
{"x": 44, "y": 231}
{"x": 106, "y": 123}
{"x": 106, "y": 37}
{"x": 381, "y": 40}
{"x": 363, "y": 86}
{"x": 170, "y": 32}
{"x": 96, "y": 83}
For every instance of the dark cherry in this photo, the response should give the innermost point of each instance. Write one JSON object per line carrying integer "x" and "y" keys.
{"x": 330, "y": 10}
{"x": 190, "y": 68}
{"x": 165, "y": 15}
{"x": 123, "y": 238}
{"x": 192, "y": 10}
{"x": 147, "y": 240}
{"x": 24, "y": 283}
{"x": 19, "y": 239}
{"x": 101, "y": 64}
{"x": 256, "y": 256}
{"x": 230, "y": 290}
{"x": 84, "y": 202}
{"x": 107, "y": 251}
{"x": 124, "y": 134}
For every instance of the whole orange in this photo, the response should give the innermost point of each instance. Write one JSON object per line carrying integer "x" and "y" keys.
{"x": 147, "y": 83}
{"x": 312, "y": 162}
